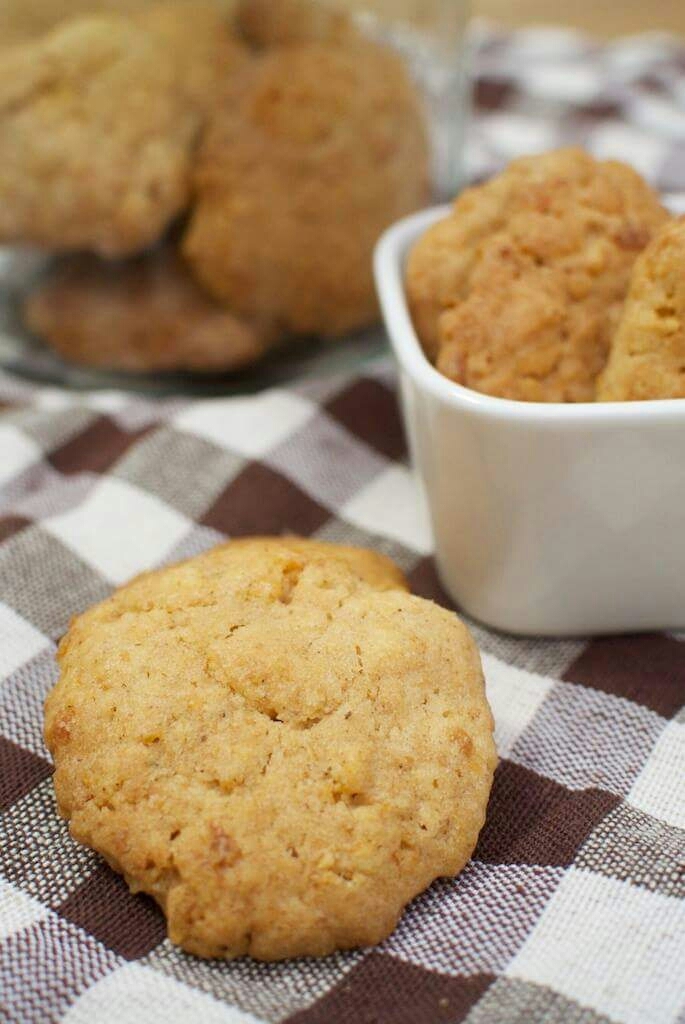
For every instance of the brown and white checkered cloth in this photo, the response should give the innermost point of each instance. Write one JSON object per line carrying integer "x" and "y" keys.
{"x": 572, "y": 909}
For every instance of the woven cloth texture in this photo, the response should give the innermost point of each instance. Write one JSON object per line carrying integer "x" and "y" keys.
{"x": 572, "y": 909}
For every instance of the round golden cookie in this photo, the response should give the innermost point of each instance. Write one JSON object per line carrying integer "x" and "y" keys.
{"x": 199, "y": 38}
{"x": 143, "y": 314}
{"x": 647, "y": 358}
{"x": 266, "y": 23}
{"x": 276, "y": 741}
{"x": 95, "y": 138}
{"x": 314, "y": 153}
{"x": 517, "y": 292}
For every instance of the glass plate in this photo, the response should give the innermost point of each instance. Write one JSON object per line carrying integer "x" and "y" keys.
{"x": 25, "y": 355}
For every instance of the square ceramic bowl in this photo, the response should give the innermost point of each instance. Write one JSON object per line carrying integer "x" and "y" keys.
{"x": 548, "y": 519}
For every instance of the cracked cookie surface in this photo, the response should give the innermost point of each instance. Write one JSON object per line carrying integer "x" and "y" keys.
{"x": 276, "y": 741}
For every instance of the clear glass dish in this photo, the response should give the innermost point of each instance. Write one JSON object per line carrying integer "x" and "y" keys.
{"x": 429, "y": 35}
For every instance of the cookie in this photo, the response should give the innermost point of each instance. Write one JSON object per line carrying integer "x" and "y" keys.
{"x": 267, "y": 23}
{"x": 199, "y": 38}
{"x": 276, "y": 741}
{"x": 142, "y": 314}
{"x": 517, "y": 292}
{"x": 317, "y": 149}
{"x": 647, "y": 358}
{"x": 95, "y": 139}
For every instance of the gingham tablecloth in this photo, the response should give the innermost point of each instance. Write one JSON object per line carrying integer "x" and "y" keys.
{"x": 572, "y": 909}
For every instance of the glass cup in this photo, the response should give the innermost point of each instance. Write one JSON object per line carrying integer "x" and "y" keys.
{"x": 430, "y": 35}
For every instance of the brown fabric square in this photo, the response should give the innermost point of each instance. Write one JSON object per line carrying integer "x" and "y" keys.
{"x": 534, "y": 820}
{"x": 368, "y": 409}
{"x": 95, "y": 449}
{"x": 9, "y": 525}
{"x": 599, "y": 110}
{"x": 260, "y": 500}
{"x": 492, "y": 93}
{"x": 648, "y": 669}
{"x": 105, "y": 908}
{"x": 384, "y": 990}
{"x": 424, "y": 581}
{"x": 20, "y": 771}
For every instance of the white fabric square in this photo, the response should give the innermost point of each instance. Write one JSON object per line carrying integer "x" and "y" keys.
{"x": 141, "y": 994}
{"x": 251, "y": 426}
{"x": 675, "y": 201}
{"x": 53, "y": 399}
{"x": 17, "y": 910}
{"x": 659, "y": 789}
{"x": 611, "y": 946}
{"x": 555, "y": 42}
{"x": 17, "y": 452}
{"x": 119, "y": 529}
{"x": 19, "y": 641}
{"x": 569, "y": 83}
{"x": 620, "y": 141}
{"x": 478, "y": 158}
{"x": 515, "y": 696}
{"x": 511, "y": 135}
{"x": 106, "y": 401}
{"x": 392, "y": 505}
{"x": 659, "y": 116}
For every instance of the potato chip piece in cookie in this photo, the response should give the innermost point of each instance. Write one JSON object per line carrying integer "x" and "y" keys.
{"x": 517, "y": 291}
{"x": 95, "y": 138}
{"x": 266, "y": 23}
{"x": 276, "y": 741}
{"x": 200, "y": 39}
{"x": 647, "y": 358}
{"x": 316, "y": 151}
{"x": 142, "y": 314}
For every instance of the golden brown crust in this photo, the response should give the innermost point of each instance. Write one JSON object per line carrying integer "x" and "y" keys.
{"x": 95, "y": 138}
{"x": 143, "y": 314}
{"x": 267, "y": 23}
{"x": 276, "y": 741}
{"x": 316, "y": 150}
{"x": 647, "y": 358}
{"x": 516, "y": 293}
{"x": 199, "y": 38}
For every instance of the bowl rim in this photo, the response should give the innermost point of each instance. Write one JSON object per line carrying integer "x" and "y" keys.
{"x": 389, "y": 261}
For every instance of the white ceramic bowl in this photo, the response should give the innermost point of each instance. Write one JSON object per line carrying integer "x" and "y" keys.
{"x": 550, "y": 519}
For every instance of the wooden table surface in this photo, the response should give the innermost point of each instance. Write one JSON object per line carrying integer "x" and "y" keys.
{"x": 21, "y": 19}
{"x": 599, "y": 17}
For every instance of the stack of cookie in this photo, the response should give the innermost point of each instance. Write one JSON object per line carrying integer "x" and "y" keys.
{"x": 647, "y": 357}
{"x": 562, "y": 279}
{"x": 212, "y": 183}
